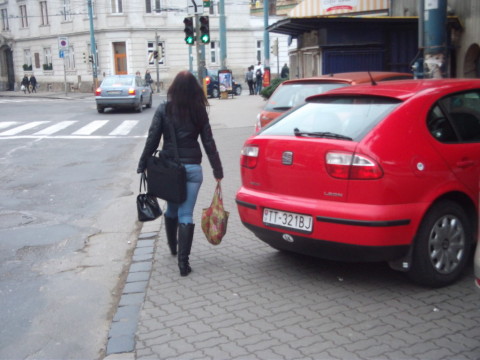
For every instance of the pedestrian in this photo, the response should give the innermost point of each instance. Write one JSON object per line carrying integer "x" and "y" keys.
{"x": 284, "y": 74}
{"x": 33, "y": 83}
{"x": 148, "y": 78}
{"x": 249, "y": 80}
{"x": 138, "y": 74}
{"x": 186, "y": 110}
{"x": 25, "y": 84}
{"x": 258, "y": 78}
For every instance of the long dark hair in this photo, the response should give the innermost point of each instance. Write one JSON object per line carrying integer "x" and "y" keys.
{"x": 186, "y": 98}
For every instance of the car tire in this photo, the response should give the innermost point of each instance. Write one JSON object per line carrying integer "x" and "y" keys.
{"x": 238, "y": 90}
{"x": 215, "y": 93}
{"x": 442, "y": 245}
{"x": 100, "y": 109}
{"x": 150, "y": 102}
{"x": 140, "y": 106}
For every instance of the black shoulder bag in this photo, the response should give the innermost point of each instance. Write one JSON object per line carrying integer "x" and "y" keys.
{"x": 147, "y": 204}
{"x": 167, "y": 177}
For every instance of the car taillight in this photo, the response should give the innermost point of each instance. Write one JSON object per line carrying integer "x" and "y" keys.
{"x": 207, "y": 80}
{"x": 131, "y": 91}
{"x": 98, "y": 92}
{"x": 349, "y": 166}
{"x": 249, "y": 156}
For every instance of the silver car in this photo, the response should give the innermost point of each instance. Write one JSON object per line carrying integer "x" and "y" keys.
{"x": 123, "y": 91}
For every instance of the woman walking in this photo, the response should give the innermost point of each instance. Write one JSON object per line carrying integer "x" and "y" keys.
{"x": 186, "y": 110}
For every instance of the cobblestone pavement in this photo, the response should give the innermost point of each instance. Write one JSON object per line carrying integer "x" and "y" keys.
{"x": 245, "y": 300}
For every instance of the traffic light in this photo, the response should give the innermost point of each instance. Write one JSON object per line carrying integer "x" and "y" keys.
{"x": 189, "y": 31}
{"x": 204, "y": 29}
{"x": 90, "y": 58}
{"x": 274, "y": 48}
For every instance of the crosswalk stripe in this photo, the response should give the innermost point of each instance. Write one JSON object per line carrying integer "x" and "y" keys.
{"x": 55, "y": 128}
{"x": 124, "y": 128}
{"x": 21, "y": 128}
{"x": 6, "y": 124}
{"x": 90, "y": 128}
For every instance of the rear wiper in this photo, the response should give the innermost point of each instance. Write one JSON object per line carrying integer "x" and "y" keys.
{"x": 320, "y": 134}
{"x": 282, "y": 108}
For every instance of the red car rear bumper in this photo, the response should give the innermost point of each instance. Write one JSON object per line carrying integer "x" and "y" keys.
{"x": 341, "y": 231}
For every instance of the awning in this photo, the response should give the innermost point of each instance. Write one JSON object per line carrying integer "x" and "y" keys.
{"x": 297, "y": 26}
{"x": 335, "y": 7}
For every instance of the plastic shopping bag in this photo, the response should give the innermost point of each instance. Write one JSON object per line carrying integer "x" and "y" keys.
{"x": 215, "y": 218}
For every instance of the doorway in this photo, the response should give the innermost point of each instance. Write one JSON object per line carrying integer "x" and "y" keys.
{"x": 120, "y": 58}
{"x": 7, "y": 74}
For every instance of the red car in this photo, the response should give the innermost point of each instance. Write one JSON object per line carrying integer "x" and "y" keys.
{"x": 385, "y": 172}
{"x": 292, "y": 93}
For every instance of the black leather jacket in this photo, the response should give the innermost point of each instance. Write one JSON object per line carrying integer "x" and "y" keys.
{"x": 186, "y": 135}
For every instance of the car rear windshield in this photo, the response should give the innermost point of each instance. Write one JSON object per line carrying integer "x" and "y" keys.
{"x": 349, "y": 118}
{"x": 291, "y": 95}
{"x": 118, "y": 81}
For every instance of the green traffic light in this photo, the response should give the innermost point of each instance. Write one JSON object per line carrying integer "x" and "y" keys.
{"x": 205, "y": 38}
{"x": 189, "y": 40}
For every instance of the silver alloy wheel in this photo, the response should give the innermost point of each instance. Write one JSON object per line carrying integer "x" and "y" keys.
{"x": 447, "y": 244}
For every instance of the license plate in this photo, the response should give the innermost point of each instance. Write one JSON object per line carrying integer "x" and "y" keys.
{"x": 115, "y": 92}
{"x": 288, "y": 220}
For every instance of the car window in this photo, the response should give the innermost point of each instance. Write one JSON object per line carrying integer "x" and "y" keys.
{"x": 352, "y": 117}
{"x": 117, "y": 81}
{"x": 463, "y": 113}
{"x": 288, "y": 96}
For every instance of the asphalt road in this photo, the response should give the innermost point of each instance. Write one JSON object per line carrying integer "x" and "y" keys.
{"x": 66, "y": 223}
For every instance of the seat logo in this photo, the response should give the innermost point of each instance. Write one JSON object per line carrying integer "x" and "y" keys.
{"x": 288, "y": 238}
{"x": 287, "y": 158}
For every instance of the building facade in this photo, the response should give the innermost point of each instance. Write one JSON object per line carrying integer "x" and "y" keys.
{"x": 353, "y": 35}
{"x": 52, "y": 39}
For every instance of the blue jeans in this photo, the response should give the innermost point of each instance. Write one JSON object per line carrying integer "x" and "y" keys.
{"x": 184, "y": 211}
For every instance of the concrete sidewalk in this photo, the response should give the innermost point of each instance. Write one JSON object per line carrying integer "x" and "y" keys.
{"x": 232, "y": 120}
{"x": 47, "y": 94}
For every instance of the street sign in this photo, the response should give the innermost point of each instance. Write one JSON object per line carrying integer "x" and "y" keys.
{"x": 61, "y": 55}
{"x": 63, "y": 43}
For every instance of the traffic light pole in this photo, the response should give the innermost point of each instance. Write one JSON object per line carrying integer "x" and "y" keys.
{"x": 93, "y": 47}
{"x": 156, "y": 61}
{"x": 200, "y": 53}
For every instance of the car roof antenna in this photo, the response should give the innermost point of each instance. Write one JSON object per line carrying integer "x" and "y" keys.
{"x": 371, "y": 78}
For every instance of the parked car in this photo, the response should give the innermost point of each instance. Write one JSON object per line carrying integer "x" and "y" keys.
{"x": 213, "y": 89}
{"x": 123, "y": 91}
{"x": 385, "y": 172}
{"x": 292, "y": 93}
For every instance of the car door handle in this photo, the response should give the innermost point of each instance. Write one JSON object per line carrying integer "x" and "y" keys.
{"x": 465, "y": 163}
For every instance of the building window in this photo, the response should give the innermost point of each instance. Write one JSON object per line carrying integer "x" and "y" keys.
{"x": 23, "y": 15}
{"x": 5, "y": 20}
{"x": 151, "y": 52}
{"x": 259, "y": 50}
{"x": 66, "y": 11}
{"x": 153, "y": 6}
{"x": 70, "y": 59}
{"x": 213, "y": 52}
{"x": 44, "y": 12}
{"x": 27, "y": 59}
{"x": 117, "y": 7}
{"x": 47, "y": 59}
{"x": 213, "y": 10}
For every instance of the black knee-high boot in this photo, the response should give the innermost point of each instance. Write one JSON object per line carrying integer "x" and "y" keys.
{"x": 185, "y": 238}
{"x": 171, "y": 228}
